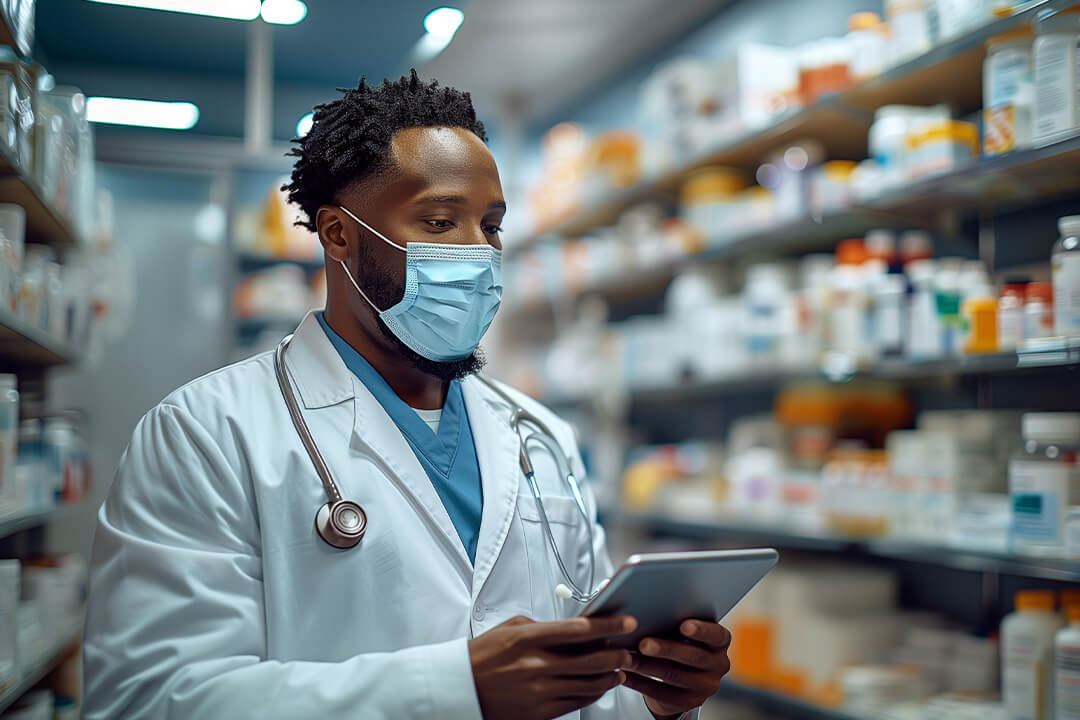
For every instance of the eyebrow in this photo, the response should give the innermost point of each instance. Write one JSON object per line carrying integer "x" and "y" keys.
{"x": 457, "y": 200}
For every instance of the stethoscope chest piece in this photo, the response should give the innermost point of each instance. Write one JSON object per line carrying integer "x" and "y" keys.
{"x": 341, "y": 524}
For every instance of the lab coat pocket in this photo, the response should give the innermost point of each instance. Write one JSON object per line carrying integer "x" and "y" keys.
{"x": 568, "y": 531}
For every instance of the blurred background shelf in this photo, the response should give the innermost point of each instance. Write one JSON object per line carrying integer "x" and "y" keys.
{"x": 16, "y": 522}
{"x": 251, "y": 262}
{"x": 43, "y": 223}
{"x": 248, "y": 328}
{"x": 37, "y": 670}
{"x": 690, "y": 390}
{"x": 783, "y": 538}
{"x": 24, "y": 345}
{"x": 777, "y": 703}
{"x": 839, "y": 121}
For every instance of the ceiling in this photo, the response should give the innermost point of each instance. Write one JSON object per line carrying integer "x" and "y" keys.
{"x": 522, "y": 57}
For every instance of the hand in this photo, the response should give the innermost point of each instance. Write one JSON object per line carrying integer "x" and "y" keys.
{"x": 679, "y": 675}
{"x": 526, "y": 670}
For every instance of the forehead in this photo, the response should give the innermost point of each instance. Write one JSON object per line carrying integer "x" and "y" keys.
{"x": 438, "y": 155}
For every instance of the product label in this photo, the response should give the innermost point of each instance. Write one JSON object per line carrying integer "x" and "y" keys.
{"x": 1067, "y": 669}
{"x": 1038, "y": 490}
{"x": 1066, "y": 278}
{"x": 999, "y": 129}
{"x": 1055, "y": 89}
{"x": 1022, "y": 683}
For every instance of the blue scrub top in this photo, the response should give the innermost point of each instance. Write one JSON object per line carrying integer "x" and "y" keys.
{"x": 449, "y": 458}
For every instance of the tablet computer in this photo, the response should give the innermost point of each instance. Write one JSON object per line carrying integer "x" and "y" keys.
{"x": 663, "y": 589}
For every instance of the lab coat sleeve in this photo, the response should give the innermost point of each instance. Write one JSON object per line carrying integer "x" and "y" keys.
{"x": 175, "y": 624}
{"x": 622, "y": 702}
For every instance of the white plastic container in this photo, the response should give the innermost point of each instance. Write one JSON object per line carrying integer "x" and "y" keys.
{"x": 956, "y": 17}
{"x": 1072, "y": 533}
{"x": 909, "y": 25}
{"x": 1027, "y": 656}
{"x": 9, "y": 441}
{"x": 868, "y": 39}
{"x": 924, "y": 328}
{"x": 1044, "y": 480}
{"x": 1065, "y": 267}
{"x": 1008, "y": 92}
{"x": 1067, "y": 668}
{"x": 890, "y": 296}
{"x": 1054, "y": 56}
{"x": 764, "y": 298}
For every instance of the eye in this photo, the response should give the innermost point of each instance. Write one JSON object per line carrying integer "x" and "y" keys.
{"x": 440, "y": 224}
{"x": 492, "y": 229}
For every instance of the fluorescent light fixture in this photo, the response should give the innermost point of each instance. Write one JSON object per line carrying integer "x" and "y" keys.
{"x": 444, "y": 22}
{"x": 142, "y": 113}
{"x": 231, "y": 9}
{"x": 283, "y": 12}
{"x": 303, "y": 127}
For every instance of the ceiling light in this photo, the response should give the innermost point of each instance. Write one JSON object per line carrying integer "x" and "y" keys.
{"x": 444, "y": 22}
{"x": 303, "y": 127}
{"x": 143, "y": 113}
{"x": 231, "y": 9}
{"x": 283, "y": 12}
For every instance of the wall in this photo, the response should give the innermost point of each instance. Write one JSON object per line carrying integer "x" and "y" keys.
{"x": 180, "y": 325}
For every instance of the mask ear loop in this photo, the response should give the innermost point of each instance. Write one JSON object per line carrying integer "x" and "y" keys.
{"x": 377, "y": 234}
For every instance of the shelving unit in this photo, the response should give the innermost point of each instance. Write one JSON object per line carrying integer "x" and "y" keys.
{"x": 17, "y": 522}
{"x": 36, "y": 671}
{"x": 22, "y": 344}
{"x": 721, "y": 528}
{"x": 775, "y": 702}
{"x": 1051, "y": 356}
{"x": 248, "y": 328}
{"x": 43, "y": 223}
{"x": 948, "y": 73}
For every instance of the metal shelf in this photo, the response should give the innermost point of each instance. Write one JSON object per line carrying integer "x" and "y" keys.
{"x": 251, "y": 262}
{"x": 43, "y": 223}
{"x": 23, "y": 344}
{"x": 248, "y": 328}
{"x": 897, "y": 549}
{"x": 1053, "y": 356}
{"x": 33, "y": 674}
{"x": 776, "y": 703}
{"x": 11, "y": 524}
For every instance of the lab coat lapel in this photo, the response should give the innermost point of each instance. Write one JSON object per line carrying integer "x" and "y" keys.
{"x": 322, "y": 379}
{"x": 497, "y": 454}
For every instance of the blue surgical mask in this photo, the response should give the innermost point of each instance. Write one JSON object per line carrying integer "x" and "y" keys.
{"x": 451, "y": 295}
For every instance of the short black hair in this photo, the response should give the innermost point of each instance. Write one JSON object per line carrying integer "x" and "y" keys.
{"x": 350, "y": 137}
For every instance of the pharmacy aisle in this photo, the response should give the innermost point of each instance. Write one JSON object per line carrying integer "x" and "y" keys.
{"x": 834, "y": 308}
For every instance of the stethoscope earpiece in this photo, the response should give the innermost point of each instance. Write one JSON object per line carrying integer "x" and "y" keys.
{"x": 341, "y": 524}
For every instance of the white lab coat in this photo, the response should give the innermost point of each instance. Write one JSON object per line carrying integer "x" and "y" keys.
{"x": 212, "y": 596}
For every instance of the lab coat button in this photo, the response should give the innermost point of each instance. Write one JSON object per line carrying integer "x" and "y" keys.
{"x": 478, "y": 614}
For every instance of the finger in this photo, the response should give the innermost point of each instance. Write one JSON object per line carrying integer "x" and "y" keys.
{"x": 712, "y": 634}
{"x": 671, "y": 673}
{"x": 677, "y": 699}
{"x": 576, "y": 630}
{"x": 588, "y": 685}
{"x": 689, "y": 654}
{"x": 591, "y": 663}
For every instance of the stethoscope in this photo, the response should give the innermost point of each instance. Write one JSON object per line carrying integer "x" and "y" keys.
{"x": 342, "y": 523}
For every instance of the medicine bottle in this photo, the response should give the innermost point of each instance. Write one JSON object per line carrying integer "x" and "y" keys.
{"x": 1010, "y": 320}
{"x": 1027, "y": 656}
{"x": 1065, "y": 265}
{"x": 1067, "y": 667}
{"x": 1038, "y": 310}
{"x": 9, "y": 435}
{"x": 1044, "y": 481}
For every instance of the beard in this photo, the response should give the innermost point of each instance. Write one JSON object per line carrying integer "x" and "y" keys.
{"x": 379, "y": 285}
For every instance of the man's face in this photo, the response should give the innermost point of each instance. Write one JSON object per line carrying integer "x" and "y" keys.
{"x": 442, "y": 186}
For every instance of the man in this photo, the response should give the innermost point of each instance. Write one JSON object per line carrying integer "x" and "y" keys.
{"x": 214, "y": 595}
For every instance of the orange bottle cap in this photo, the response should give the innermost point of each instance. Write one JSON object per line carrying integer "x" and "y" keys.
{"x": 1027, "y": 600}
{"x": 851, "y": 252}
{"x": 1040, "y": 290}
{"x": 1073, "y": 613}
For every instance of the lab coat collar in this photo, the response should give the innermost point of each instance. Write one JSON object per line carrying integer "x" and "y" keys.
{"x": 497, "y": 453}
{"x": 318, "y": 372}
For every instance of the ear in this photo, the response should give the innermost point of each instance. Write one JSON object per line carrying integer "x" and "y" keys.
{"x": 331, "y": 225}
